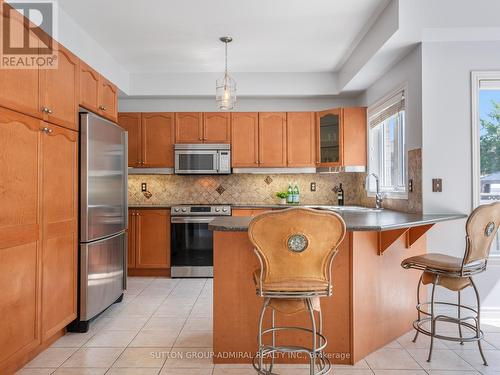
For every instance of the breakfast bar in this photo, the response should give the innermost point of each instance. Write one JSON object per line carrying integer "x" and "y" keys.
{"x": 373, "y": 300}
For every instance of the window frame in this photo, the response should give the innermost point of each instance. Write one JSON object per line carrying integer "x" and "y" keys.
{"x": 476, "y": 78}
{"x": 372, "y": 110}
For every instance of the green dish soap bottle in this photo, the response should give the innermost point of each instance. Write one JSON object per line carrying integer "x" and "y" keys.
{"x": 296, "y": 194}
{"x": 289, "y": 196}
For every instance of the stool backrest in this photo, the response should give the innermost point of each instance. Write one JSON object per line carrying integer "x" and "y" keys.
{"x": 296, "y": 243}
{"x": 482, "y": 226}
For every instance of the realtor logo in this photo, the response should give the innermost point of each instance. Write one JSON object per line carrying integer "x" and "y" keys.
{"x": 27, "y": 35}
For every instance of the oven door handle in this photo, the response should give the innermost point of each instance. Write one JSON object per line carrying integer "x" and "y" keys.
{"x": 183, "y": 220}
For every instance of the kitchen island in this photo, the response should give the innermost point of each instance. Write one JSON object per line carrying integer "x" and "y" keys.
{"x": 373, "y": 300}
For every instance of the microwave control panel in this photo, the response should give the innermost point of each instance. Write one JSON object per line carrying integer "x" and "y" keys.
{"x": 224, "y": 162}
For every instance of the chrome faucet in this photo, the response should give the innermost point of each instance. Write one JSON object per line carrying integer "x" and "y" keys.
{"x": 378, "y": 195}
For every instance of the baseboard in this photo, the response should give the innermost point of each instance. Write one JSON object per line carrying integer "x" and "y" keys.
{"x": 149, "y": 272}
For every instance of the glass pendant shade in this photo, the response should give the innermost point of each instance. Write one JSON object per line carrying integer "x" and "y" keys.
{"x": 226, "y": 92}
{"x": 225, "y": 87}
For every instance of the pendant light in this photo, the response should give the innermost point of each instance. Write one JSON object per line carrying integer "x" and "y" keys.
{"x": 225, "y": 92}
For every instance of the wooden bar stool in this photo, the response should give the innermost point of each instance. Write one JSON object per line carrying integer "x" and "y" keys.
{"x": 296, "y": 248}
{"x": 455, "y": 274}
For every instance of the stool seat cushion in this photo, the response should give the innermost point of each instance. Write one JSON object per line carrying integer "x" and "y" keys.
{"x": 440, "y": 262}
{"x": 452, "y": 283}
{"x": 291, "y": 285}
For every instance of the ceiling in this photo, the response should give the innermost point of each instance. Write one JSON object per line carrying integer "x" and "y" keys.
{"x": 166, "y": 36}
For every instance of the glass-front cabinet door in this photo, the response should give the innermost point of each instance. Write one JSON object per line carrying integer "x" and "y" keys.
{"x": 329, "y": 133}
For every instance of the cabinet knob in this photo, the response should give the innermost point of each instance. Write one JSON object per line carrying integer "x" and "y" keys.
{"x": 47, "y": 130}
{"x": 46, "y": 110}
{"x": 102, "y": 108}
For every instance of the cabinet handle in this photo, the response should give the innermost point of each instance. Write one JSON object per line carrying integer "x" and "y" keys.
{"x": 47, "y": 130}
{"x": 46, "y": 110}
{"x": 102, "y": 108}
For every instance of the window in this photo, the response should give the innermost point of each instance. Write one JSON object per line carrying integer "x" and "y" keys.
{"x": 386, "y": 139}
{"x": 486, "y": 141}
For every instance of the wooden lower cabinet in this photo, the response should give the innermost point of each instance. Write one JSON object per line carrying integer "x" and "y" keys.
{"x": 20, "y": 236}
{"x": 38, "y": 235}
{"x": 59, "y": 226}
{"x": 149, "y": 242}
{"x": 249, "y": 211}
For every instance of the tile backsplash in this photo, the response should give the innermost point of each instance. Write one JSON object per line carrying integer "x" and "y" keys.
{"x": 240, "y": 188}
{"x": 261, "y": 188}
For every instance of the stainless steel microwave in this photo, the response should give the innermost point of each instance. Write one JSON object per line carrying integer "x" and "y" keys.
{"x": 202, "y": 158}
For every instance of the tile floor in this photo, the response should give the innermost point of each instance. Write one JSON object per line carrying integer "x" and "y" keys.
{"x": 172, "y": 319}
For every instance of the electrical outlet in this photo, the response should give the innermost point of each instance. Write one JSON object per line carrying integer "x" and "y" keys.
{"x": 144, "y": 186}
{"x": 313, "y": 186}
{"x": 437, "y": 185}
{"x": 410, "y": 185}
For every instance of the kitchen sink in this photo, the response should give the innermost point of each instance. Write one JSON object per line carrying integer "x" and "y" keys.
{"x": 348, "y": 208}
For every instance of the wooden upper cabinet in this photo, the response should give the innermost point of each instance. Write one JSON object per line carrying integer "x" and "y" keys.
{"x": 59, "y": 91}
{"x": 19, "y": 87}
{"x": 329, "y": 137}
{"x": 89, "y": 88}
{"x": 97, "y": 94}
{"x": 131, "y": 122}
{"x": 60, "y": 226}
{"x": 272, "y": 139}
{"x": 157, "y": 140}
{"x": 301, "y": 139}
{"x": 216, "y": 127}
{"x": 20, "y": 241}
{"x": 152, "y": 239}
{"x": 355, "y": 136}
{"x": 188, "y": 127}
{"x": 245, "y": 139}
{"x": 108, "y": 99}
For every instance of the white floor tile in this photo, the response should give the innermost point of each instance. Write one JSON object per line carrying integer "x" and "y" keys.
{"x": 52, "y": 357}
{"x": 111, "y": 339}
{"x": 441, "y": 360}
{"x": 165, "y": 326}
{"x": 93, "y": 357}
{"x": 142, "y": 357}
{"x": 392, "y": 359}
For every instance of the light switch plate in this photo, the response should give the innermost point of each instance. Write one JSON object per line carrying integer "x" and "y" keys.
{"x": 437, "y": 185}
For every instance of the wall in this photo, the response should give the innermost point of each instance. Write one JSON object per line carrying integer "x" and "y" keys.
{"x": 446, "y": 91}
{"x": 78, "y": 41}
{"x": 409, "y": 71}
{"x": 245, "y": 104}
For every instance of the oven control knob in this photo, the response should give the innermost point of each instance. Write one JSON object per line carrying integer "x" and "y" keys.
{"x": 176, "y": 209}
{"x": 184, "y": 210}
{"x": 217, "y": 209}
{"x": 224, "y": 209}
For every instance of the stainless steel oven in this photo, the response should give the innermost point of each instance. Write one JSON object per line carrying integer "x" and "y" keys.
{"x": 203, "y": 158}
{"x": 192, "y": 241}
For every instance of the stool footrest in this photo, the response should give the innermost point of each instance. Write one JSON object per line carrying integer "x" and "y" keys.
{"x": 323, "y": 342}
{"x": 418, "y": 325}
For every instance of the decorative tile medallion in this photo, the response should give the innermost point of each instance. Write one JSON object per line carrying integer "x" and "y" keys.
{"x": 268, "y": 180}
{"x": 220, "y": 189}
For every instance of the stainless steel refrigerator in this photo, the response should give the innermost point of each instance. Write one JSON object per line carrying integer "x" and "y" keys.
{"x": 103, "y": 217}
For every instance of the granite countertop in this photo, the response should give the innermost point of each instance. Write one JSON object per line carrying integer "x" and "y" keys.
{"x": 150, "y": 205}
{"x": 355, "y": 221}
